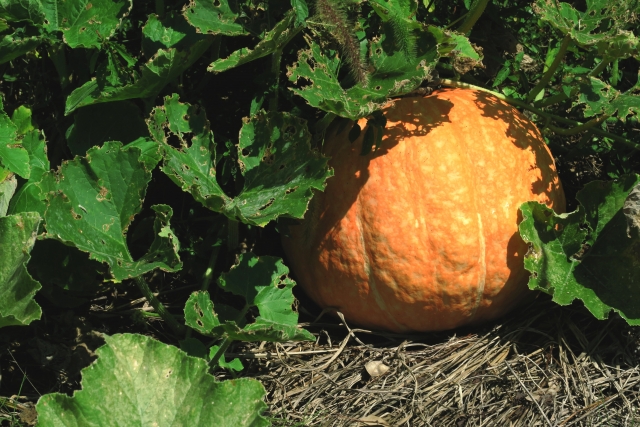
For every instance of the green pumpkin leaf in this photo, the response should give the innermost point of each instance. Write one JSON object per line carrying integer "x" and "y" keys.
{"x": 590, "y": 254}
{"x": 215, "y": 17}
{"x": 14, "y": 45}
{"x": 599, "y": 97}
{"x": 172, "y": 31}
{"x": 92, "y": 202}
{"x": 30, "y": 197}
{"x": 17, "y": 287}
{"x": 140, "y": 381}
{"x": 13, "y": 156}
{"x": 7, "y": 190}
{"x": 85, "y": 23}
{"x": 280, "y": 170}
{"x": 264, "y": 285}
{"x": 273, "y": 40}
{"x": 603, "y": 24}
{"x": 391, "y": 71}
{"x": 30, "y": 11}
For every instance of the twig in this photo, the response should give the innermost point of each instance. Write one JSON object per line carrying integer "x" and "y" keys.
{"x": 529, "y": 393}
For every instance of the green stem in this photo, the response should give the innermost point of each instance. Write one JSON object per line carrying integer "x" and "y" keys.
{"x": 580, "y": 128}
{"x": 550, "y": 100}
{"x": 226, "y": 342}
{"x": 224, "y": 345}
{"x": 517, "y": 102}
{"x": 562, "y": 96}
{"x": 548, "y": 75}
{"x": 173, "y": 324}
{"x": 208, "y": 274}
{"x": 233, "y": 239}
{"x": 476, "y": 11}
{"x": 451, "y": 24}
{"x": 600, "y": 67}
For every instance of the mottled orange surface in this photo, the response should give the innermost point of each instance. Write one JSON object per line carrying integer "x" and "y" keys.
{"x": 422, "y": 234}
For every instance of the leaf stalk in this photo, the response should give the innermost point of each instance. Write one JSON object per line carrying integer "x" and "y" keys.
{"x": 171, "y": 321}
{"x": 548, "y": 74}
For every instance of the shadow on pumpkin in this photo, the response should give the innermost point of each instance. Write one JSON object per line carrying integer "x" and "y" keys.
{"x": 352, "y": 169}
{"x": 519, "y": 127}
{"x": 409, "y": 119}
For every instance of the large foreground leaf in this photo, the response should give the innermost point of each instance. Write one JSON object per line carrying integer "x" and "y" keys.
{"x": 274, "y": 153}
{"x": 92, "y": 201}
{"x": 264, "y": 285}
{"x": 591, "y": 254}
{"x": 17, "y": 287}
{"x": 138, "y": 381}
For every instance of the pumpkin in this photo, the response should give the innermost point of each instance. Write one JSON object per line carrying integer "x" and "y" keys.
{"x": 421, "y": 234}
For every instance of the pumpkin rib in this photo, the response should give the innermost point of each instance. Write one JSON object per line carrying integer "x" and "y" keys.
{"x": 422, "y": 233}
{"x": 367, "y": 269}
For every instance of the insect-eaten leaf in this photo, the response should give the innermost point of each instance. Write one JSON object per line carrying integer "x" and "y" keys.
{"x": 135, "y": 377}
{"x": 274, "y": 153}
{"x": 393, "y": 69}
{"x": 92, "y": 201}
{"x": 266, "y": 289}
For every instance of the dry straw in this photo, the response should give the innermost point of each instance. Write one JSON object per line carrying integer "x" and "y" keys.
{"x": 542, "y": 366}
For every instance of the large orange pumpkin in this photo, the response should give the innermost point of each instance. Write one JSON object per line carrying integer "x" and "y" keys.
{"x": 422, "y": 233}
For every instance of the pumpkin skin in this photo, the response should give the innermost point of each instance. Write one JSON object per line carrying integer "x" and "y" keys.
{"x": 422, "y": 233}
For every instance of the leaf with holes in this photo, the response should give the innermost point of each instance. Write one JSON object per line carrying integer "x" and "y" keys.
{"x": 92, "y": 202}
{"x": 17, "y": 287}
{"x": 14, "y": 45}
{"x": 393, "y": 69}
{"x": 588, "y": 254}
{"x": 171, "y": 31}
{"x": 216, "y": 17}
{"x": 603, "y": 24}
{"x": 600, "y": 98}
{"x": 273, "y": 40}
{"x": 136, "y": 376}
{"x": 192, "y": 166}
{"x": 280, "y": 170}
{"x": 264, "y": 285}
{"x": 85, "y": 23}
